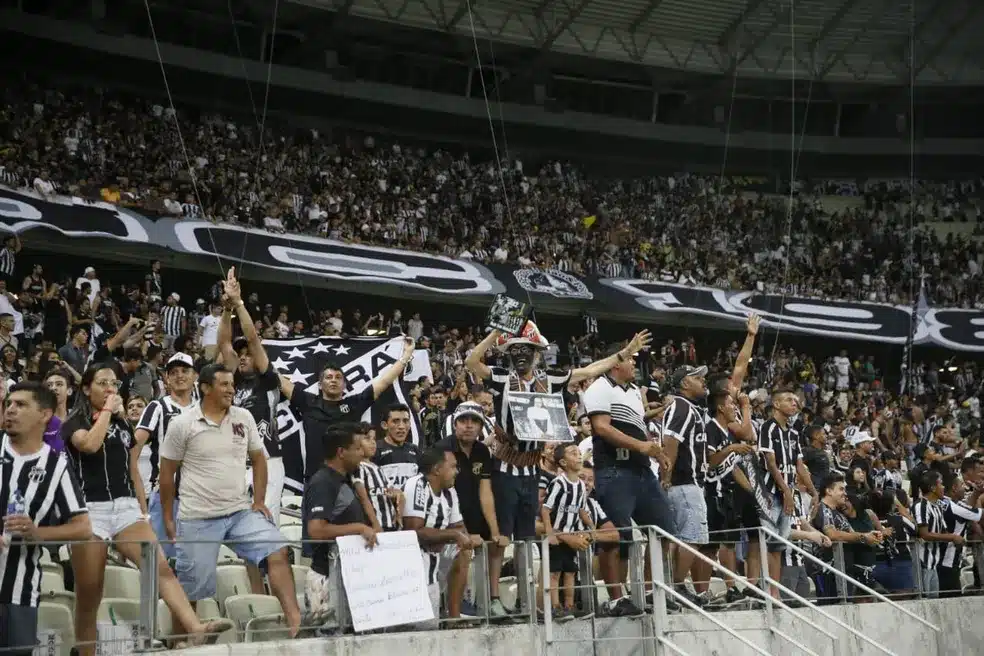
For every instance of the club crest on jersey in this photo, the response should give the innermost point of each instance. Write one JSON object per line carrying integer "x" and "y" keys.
{"x": 263, "y": 428}
{"x": 37, "y": 474}
{"x": 239, "y": 430}
{"x": 343, "y": 408}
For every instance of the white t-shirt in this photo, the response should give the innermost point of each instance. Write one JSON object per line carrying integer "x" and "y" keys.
{"x": 210, "y": 329}
{"x": 843, "y": 368}
{"x": 7, "y": 308}
{"x": 95, "y": 286}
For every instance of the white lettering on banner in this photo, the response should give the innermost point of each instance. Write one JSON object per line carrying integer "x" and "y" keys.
{"x": 387, "y": 585}
{"x": 14, "y": 209}
{"x": 962, "y": 330}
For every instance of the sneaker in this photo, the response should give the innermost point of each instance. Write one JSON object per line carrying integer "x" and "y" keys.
{"x": 561, "y": 615}
{"x": 754, "y": 600}
{"x": 733, "y": 597}
{"x": 623, "y": 607}
{"x": 496, "y": 609}
{"x": 697, "y": 600}
{"x": 468, "y": 609}
{"x": 671, "y": 604}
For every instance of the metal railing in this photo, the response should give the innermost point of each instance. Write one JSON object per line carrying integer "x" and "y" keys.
{"x": 847, "y": 579}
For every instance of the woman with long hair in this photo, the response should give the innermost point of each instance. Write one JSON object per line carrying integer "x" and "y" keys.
{"x": 98, "y": 437}
{"x": 9, "y": 363}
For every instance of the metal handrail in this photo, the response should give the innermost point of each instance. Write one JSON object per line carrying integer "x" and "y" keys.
{"x": 841, "y": 623}
{"x": 847, "y": 578}
{"x": 718, "y": 566}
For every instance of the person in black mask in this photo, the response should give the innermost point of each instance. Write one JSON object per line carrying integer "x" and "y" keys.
{"x": 515, "y": 462}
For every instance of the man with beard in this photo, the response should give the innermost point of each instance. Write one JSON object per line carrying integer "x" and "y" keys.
{"x": 515, "y": 463}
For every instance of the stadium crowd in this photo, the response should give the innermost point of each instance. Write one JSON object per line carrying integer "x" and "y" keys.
{"x": 112, "y": 386}
{"x": 100, "y": 145}
{"x": 117, "y": 380}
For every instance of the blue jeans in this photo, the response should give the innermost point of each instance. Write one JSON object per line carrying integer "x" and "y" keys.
{"x": 156, "y": 511}
{"x": 626, "y": 494}
{"x": 249, "y": 534}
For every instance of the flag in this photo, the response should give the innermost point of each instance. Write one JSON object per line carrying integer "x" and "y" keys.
{"x": 920, "y": 306}
{"x": 362, "y": 359}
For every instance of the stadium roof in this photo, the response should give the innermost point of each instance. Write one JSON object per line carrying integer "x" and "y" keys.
{"x": 838, "y": 41}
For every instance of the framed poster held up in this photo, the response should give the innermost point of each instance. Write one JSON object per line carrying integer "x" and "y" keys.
{"x": 539, "y": 417}
{"x": 508, "y": 315}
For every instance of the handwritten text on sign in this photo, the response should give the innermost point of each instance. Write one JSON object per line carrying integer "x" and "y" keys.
{"x": 386, "y": 586}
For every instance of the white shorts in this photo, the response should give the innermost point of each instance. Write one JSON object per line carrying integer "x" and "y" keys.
{"x": 110, "y": 518}
{"x": 275, "y": 486}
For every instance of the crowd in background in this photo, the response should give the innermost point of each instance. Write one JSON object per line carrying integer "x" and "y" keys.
{"x": 101, "y": 145}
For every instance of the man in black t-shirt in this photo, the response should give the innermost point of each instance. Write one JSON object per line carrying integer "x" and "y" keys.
{"x": 332, "y": 510}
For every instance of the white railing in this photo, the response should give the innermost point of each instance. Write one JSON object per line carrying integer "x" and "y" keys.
{"x": 657, "y": 534}
{"x": 847, "y": 579}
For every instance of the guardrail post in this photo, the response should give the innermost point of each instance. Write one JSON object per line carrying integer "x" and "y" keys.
{"x": 547, "y": 605}
{"x": 659, "y": 594}
{"x": 978, "y": 550}
{"x": 764, "y": 578}
{"x": 480, "y": 580}
{"x": 637, "y": 575}
{"x": 148, "y": 594}
{"x": 525, "y": 578}
{"x": 841, "y": 565}
{"x": 589, "y": 592}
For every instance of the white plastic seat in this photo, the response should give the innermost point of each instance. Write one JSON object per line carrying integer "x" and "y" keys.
{"x": 717, "y": 587}
{"x": 266, "y": 629}
{"x": 121, "y": 583}
{"x": 208, "y": 609}
{"x": 508, "y": 591}
{"x": 227, "y": 556}
{"x": 602, "y": 591}
{"x": 118, "y": 613}
{"x": 120, "y": 609}
{"x": 231, "y": 580}
{"x": 241, "y": 609}
{"x": 52, "y": 579}
{"x": 165, "y": 624}
{"x": 288, "y": 500}
{"x": 58, "y": 598}
{"x": 57, "y": 624}
{"x": 292, "y": 533}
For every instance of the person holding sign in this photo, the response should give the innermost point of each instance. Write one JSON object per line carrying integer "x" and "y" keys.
{"x": 431, "y": 508}
{"x": 332, "y": 508}
{"x": 514, "y": 475}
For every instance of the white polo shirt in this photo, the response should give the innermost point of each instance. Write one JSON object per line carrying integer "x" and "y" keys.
{"x": 213, "y": 461}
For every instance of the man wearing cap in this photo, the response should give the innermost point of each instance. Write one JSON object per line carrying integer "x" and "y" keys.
{"x": 474, "y": 481}
{"x": 515, "y": 463}
{"x": 685, "y": 446}
{"x": 257, "y": 390}
{"x": 864, "y": 453}
{"x": 89, "y": 276}
{"x": 174, "y": 320}
{"x": 151, "y": 429}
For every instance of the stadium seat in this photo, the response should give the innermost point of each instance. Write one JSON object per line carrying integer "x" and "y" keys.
{"x": 121, "y": 583}
{"x": 114, "y": 614}
{"x": 58, "y": 597}
{"x": 52, "y": 578}
{"x": 289, "y": 520}
{"x": 265, "y": 629}
{"x": 243, "y": 608}
{"x": 56, "y": 626}
{"x": 227, "y": 555}
{"x": 121, "y": 609}
{"x": 293, "y": 535}
{"x": 300, "y": 577}
{"x": 230, "y": 580}
{"x": 717, "y": 587}
{"x": 508, "y": 593}
{"x": 208, "y": 609}
{"x": 291, "y": 501}
{"x": 602, "y": 591}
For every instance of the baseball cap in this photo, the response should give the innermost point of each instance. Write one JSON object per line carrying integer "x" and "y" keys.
{"x": 469, "y": 408}
{"x": 179, "y": 360}
{"x": 176, "y": 297}
{"x": 860, "y": 438}
{"x": 89, "y": 270}
{"x": 686, "y": 370}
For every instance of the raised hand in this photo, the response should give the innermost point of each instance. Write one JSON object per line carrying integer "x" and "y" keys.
{"x": 230, "y": 286}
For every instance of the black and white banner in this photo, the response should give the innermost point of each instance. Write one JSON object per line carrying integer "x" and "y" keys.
{"x": 362, "y": 359}
{"x": 394, "y": 273}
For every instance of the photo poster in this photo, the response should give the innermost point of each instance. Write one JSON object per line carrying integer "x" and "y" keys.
{"x": 539, "y": 417}
{"x": 386, "y": 585}
{"x": 508, "y": 315}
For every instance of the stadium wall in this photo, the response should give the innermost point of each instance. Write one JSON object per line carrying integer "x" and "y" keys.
{"x": 959, "y": 621}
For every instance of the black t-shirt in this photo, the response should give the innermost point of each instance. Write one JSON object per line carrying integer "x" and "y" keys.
{"x": 398, "y": 463}
{"x": 472, "y": 470}
{"x": 330, "y": 496}
{"x": 318, "y": 415}
{"x": 260, "y": 394}
{"x": 105, "y": 474}
{"x": 817, "y": 462}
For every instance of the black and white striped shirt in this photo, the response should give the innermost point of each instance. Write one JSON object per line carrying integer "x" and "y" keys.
{"x": 7, "y": 262}
{"x": 720, "y": 478}
{"x": 171, "y": 318}
{"x": 105, "y": 474}
{"x": 929, "y": 514}
{"x": 798, "y": 522}
{"x": 957, "y": 516}
{"x": 565, "y": 501}
{"x": 596, "y": 512}
{"x": 623, "y": 405}
{"x": 372, "y": 479}
{"x": 440, "y": 511}
{"x": 684, "y": 422}
{"x": 543, "y": 481}
{"x": 155, "y": 419}
{"x": 500, "y": 383}
{"x": 52, "y": 496}
{"x": 785, "y": 444}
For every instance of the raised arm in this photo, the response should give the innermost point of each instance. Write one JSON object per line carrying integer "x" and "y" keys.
{"x": 599, "y": 367}
{"x": 745, "y": 354}
{"x": 388, "y": 377}
{"x": 475, "y": 362}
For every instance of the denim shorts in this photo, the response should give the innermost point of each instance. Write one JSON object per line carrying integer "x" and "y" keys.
{"x": 690, "y": 513}
{"x": 249, "y": 534}
{"x": 633, "y": 494}
{"x": 156, "y": 511}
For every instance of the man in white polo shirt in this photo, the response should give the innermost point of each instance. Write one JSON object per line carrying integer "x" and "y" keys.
{"x": 211, "y": 443}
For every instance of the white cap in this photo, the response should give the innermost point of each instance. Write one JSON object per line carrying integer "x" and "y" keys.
{"x": 176, "y": 297}
{"x": 180, "y": 359}
{"x": 860, "y": 438}
{"x": 469, "y": 408}
{"x": 89, "y": 270}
